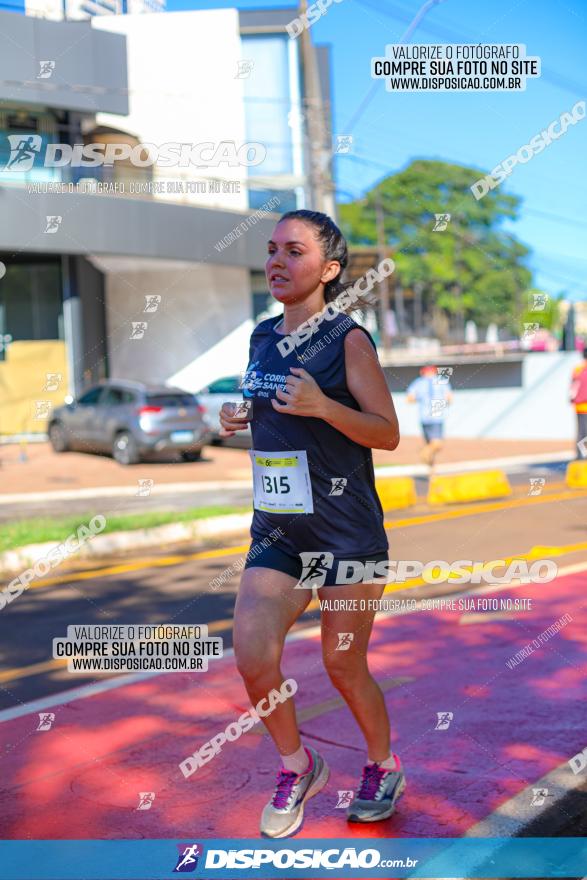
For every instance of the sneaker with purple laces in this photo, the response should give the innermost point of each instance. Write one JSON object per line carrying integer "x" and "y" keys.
{"x": 284, "y": 813}
{"x": 378, "y": 792}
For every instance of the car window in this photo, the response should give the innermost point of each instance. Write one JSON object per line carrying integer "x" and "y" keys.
{"x": 90, "y": 397}
{"x": 171, "y": 400}
{"x": 227, "y": 385}
{"x": 128, "y": 396}
{"x": 112, "y": 397}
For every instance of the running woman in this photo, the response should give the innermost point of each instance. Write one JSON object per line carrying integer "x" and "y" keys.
{"x": 432, "y": 394}
{"x": 318, "y": 410}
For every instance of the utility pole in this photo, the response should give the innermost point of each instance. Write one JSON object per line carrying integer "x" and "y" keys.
{"x": 319, "y": 147}
{"x": 383, "y": 285}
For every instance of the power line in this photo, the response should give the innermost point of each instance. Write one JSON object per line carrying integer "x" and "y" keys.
{"x": 555, "y": 217}
{"x": 546, "y": 214}
{"x": 547, "y": 75}
{"x": 438, "y": 30}
{"x": 414, "y": 23}
{"x": 572, "y": 281}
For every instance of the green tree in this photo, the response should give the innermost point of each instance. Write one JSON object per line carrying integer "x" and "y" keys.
{"x": 540, "y": 308}
{"x": 473, "y": 269}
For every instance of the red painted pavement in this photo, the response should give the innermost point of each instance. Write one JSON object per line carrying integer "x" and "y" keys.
{"x": 82, "y": 778}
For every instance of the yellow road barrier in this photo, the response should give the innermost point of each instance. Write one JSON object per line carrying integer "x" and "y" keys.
{"x": 577, "y": 474}
{"x": 476, "y": 486}
{"x": 396, "y": 492}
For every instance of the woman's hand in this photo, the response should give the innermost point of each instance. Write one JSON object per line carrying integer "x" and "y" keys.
{"x": 229, "y": 424}
{"x": 302, "y": 395}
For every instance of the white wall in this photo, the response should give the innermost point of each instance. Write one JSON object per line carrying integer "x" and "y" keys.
{"x": 199, "y": 332}
{"x": 539, "y": 410}
{"x": 183, "y": 88}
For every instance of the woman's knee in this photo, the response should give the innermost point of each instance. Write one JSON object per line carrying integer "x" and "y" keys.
{"x": 346, "y": 670}
{"x": 256, "y": 659}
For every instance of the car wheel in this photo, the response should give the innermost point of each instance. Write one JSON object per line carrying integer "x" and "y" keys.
{"x": 193, "y": 455}
{"x": 58, "y": 438}
{"x": 124, "y": 449}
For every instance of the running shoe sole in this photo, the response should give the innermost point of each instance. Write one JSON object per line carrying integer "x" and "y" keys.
{"x": 379, "y": 817}
{"x": 315, "y": 788}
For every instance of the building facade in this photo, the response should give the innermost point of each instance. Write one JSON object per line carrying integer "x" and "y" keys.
{"x": 74, "y": 10}
{"x": 148, "y": 263}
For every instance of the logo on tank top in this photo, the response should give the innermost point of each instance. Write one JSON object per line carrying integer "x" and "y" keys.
{"x": 256, "y": 383}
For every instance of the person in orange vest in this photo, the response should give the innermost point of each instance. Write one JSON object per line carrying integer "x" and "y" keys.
{"x": 579, "y": 399}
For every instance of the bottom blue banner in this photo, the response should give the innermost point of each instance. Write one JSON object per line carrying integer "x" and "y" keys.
{"x": 229, "y": 859}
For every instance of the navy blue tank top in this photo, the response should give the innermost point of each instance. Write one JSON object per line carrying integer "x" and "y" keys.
{"x": 350, "y": 524}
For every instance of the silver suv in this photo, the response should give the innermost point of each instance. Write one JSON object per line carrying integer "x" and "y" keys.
{"x": 131, "y": 420}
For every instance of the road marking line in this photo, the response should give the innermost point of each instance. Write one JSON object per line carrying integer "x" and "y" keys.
{"x": 508, "y": 821}
{"x": 515, "y": 813}
{"x": 537, "y": 552}
{"x": 164, "y": 561}
{"x": 84, "y": 691}
{"x": 311, "y": 712}
{"x": 484, "y": 507}
{"x": 33, "y": 669}
{"x": 473, "y": 617}
{"x": 154, "y": 562}
{"x": 48, "y": 665}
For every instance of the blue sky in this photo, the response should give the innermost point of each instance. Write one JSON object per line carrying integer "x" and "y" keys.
{"x": 476, "y": 129}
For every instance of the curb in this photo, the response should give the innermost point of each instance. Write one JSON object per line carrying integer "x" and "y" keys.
{"x": 511, "y": 462}
{"x": 516, "y": 813}
{"x": 133, "y": 539}
{"x": 123, "y": 491}
{"x": 401, "y": 470}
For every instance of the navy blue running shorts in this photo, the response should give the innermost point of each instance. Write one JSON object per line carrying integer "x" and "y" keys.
{"x": 433, "y": 431}
{"x": 274, "y": 557}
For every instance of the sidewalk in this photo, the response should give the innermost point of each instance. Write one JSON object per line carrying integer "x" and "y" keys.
{"x": 510, "y": 728}
{"x": 46, "y": 471}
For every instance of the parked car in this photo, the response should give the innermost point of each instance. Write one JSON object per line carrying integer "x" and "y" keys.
{"x": 131, "y": 420}
{"x": 225, "y": 390}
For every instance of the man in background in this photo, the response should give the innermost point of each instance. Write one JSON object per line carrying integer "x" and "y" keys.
{"x": 579, "y": 399}
{"x": 433, "y": 394}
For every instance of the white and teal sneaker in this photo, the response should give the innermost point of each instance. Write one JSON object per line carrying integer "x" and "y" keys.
{"x": 378, "y": 792}
{"x": 284, "y": 813}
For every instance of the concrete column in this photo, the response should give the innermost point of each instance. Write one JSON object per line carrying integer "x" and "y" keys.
{"x": 72, "y": 325}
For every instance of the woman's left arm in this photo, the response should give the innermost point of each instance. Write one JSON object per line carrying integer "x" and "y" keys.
{"x": 375, "y": 425}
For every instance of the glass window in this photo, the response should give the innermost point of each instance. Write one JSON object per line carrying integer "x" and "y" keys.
{"x": 30, "y": 300}
{"x": 227, "y": 385}
{"x": 258, "y": 198}
{"x": 113, "y": 397}
{"x": 261, "y": 302}
{"x": 90, "y": 397}
{"x": 171, "y": 400}
{"x": 23, "y": 150}
{"x": 268, "y": 102}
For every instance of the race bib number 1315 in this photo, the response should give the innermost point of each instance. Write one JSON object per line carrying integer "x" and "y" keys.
{"x": 281, "y": 482}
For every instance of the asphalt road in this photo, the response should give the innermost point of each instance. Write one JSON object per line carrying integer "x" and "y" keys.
{"x": 63, "y": 786}
{"x": 158, "y": 587}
